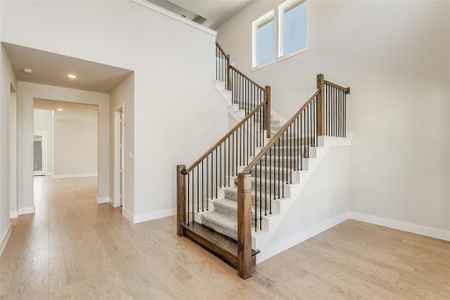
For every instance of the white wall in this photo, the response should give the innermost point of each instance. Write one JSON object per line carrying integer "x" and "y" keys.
{"x": 43, "y": 121}
{"x": 394, "y": 55}
{"x": 75, "y": 152}
{"x": 177, "y": 112}
{"x": 123, "y": 97}
{"x": 7, "y": 78}
{"x": 71, "y": 144}
{"x": 324, "y": 202}
{"x": 29, "y": 91}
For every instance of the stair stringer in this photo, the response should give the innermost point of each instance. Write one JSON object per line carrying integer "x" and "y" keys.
{"x": 261, "y": 239}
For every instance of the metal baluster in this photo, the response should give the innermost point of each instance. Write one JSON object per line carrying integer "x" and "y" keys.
{"x": 188, "y": 198}
{"x": 345, "y": 115}
{"x": 202, "y": 185}
{"x": 228, "y": 162}
{"x": 256, "y": 197}
{"x": 270, "y": 179}
{"x": 198, "y": 189}
{"x": 260, "y": 196}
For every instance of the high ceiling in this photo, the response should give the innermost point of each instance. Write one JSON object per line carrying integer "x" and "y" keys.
{"x": 216, "y": 12}
{"x": 50, "y": 68}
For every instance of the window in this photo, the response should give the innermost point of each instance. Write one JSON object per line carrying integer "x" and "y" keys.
{"x": 292, "y": 27}
{"x": 264, "y": 39}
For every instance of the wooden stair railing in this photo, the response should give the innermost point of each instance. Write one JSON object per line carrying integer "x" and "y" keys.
{"x": 214, "y": 170}
{"x": 245, "y": 93}
{"x": 203, "y": 180}
{"x": 322, "y": 114}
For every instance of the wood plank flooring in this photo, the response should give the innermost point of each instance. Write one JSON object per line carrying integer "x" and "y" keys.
{"x": 73, "y": 248}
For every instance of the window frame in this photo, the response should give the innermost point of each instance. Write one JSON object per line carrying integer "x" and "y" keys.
{"x": 282, "y": 8}
{"x": 264, "y": 19}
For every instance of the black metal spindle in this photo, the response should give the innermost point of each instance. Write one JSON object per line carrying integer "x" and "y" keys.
{"x": 256, "y": 197}
{"x": 265, "y": 184}
{"x": 270, "y": 179}
{"x": 260, "y": 196}
{"x": 345, "y": 115}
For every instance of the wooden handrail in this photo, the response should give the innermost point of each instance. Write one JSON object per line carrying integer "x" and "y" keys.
{"x": 246, "y": 77}
{"x": 280, "y": 132}
{"x": 221, "y": 49}
{"x": 198, "y": 161}
{"x": 345, "y": 89}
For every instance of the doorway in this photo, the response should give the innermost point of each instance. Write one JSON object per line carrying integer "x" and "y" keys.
{"x": 40, "y": 153}
{"x": 119, "y": 157}
{"x": 13, "y": 152}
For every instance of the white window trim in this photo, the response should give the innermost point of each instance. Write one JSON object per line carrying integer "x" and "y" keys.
{"x": 263, "y": 19}
{"x": 279, "y": 34}
{"x": 281, "y": 9}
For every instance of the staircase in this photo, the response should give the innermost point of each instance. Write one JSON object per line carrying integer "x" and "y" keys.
{"x": 231, "y": 200}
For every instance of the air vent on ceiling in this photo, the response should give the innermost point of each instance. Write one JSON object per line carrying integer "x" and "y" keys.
{"x": 179, "y": 10}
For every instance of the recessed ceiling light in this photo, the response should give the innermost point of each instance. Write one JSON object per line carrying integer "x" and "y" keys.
{"x": 59, "y": 109}
{"x": 28, "y": 70}
{"x": 72, "y": 76}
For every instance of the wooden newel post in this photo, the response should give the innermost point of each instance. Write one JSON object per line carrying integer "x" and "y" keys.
{"x": 228, "y": 73}
{"x": 181, "y": 199}
{"x": 319, "y": 116}
{"x": 244, "y": 210}
{"x": 267, "y": 110}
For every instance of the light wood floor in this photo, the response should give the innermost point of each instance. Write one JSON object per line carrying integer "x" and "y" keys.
{"x": 72, "y": 248}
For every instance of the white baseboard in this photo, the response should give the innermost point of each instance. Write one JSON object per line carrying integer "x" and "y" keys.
{"x": 103, "y": 199}
{"x": 302, "y": 236}
{"x": 127, "y": 214}
{"x": 25, "y": 210}
{"x": 4, "y": 238}
{"x": 80, "y": 175}
{"x": 404, "y": 226}
{"x": 321, "y": 227}
{"x": 139, "y": 218}
{"x": 154, "y": 215}
{"x": 13, "y": 214}
{"x": 22, "y": 211}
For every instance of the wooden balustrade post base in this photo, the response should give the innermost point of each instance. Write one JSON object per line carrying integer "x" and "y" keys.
{"x": 246, "y": 265}
{"x": 181, "y": 199}
{"x": 319, "y": 117}
{"x": 268, "y": 111}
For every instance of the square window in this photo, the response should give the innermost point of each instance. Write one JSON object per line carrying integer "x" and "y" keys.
{"x": 264, "y": 39}
{"x": 292, "y": 27}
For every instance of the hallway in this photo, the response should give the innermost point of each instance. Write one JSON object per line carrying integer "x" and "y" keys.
{"x": 74, "y": 248}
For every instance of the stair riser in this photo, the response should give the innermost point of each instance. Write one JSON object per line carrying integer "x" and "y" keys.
{"x": 300, "y": 142}
{"x": 232, "y": 232}
{"x": 276, "y": 177}
{"x": 294, "y": 151}
{"x": 232, "y": 195}
{"x": 225, "y": 231}
{"x": 231, "y": 212}
{"x": 263, "y": 183}
{"x": 226, "y": 211}
{"x": 279, "y": 166}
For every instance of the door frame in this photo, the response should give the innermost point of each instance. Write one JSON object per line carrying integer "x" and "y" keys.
{"x": 13, "y": 156}
{"x": 119, "y": 174}
{"x": 43, "y": 135}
